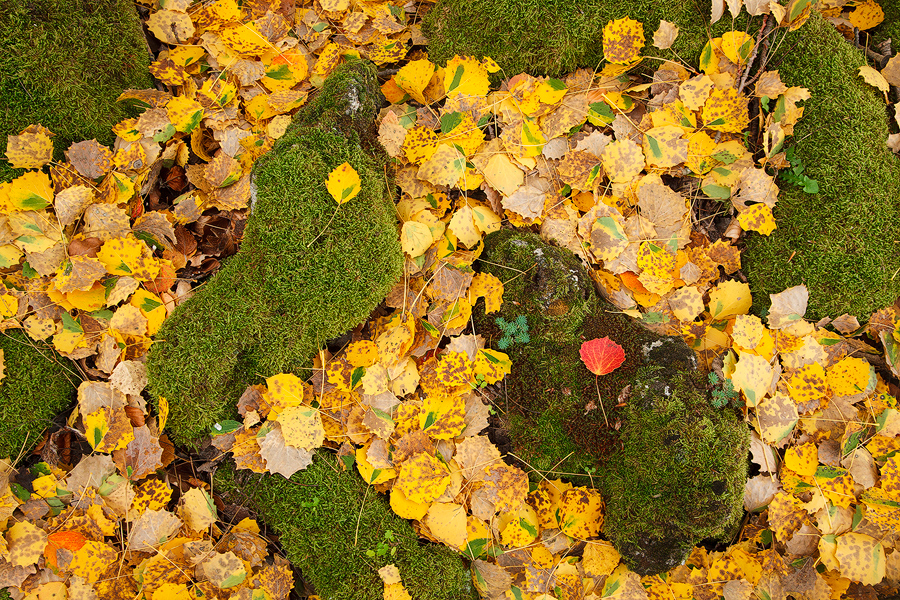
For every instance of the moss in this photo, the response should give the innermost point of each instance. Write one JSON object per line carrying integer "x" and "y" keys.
{"x": 548, "y": 395}
{"x": 555, "y": 37}
{"x": 63, "y": 63}
{"x": 840, "y": 242}
{"x": 656, "y": 442}
{"x": 673, "y": 442}
{"x": 38, "y": 384}
{"x": 890, "y": 27}
{"x": 329, "y": 542}
{"x": 306, "y": 272}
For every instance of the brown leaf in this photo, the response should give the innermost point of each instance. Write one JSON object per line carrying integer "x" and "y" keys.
{"x": 90, "y": 158}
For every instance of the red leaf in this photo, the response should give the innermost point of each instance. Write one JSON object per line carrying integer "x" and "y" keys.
{"x": 602, "y": 356}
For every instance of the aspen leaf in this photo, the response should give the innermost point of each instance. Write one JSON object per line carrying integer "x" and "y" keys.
{"x": 581, "y": 513}
{"x": 444, "y": 167}
{"x": 281, "y": 457}
{"x": 737, "y": 46}
{"x": 623, "y": 160}
{"x": 465, "y": 75}
{"x": 728, "y": 299}
{"x": 753, "y": 376}
{"x": 665, "y": 35}
{"x": 26, "y": 544}
{"x": 777, "y": 415}
{"x": 343, "y": 183}
{"x": 225, "y": 570}
{"x": 413, "y": 78}
{"x": 31, "y": 149}
{"x": 447, "y": 523}
{"x": 198, "y": 510}
{"x": 422, "y": 478}
{"x": 874, "y": 78}
{"x": 463, "y": 227}
{"x": 861, "y": 558}
{"x": 518, "y": 527}
{"x": 726, "y": 111}
{"x": 171, "y": 27}
{"x": 866, "y": 15}
{"x": 602, "y": 356}
{"x": 757, "y": 218}
{"x": 623, "y": 40}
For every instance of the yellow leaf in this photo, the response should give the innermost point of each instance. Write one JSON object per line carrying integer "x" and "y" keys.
{"x": 518, "y": 527}
{"x": 26, "y": 544}
{"x": 802, "y": 459}
{"x": 151, "y": 306}
{"x": 600, "y": 558}
{"x": 686, "y": 303}
{"x": 419, "y": 144}
{"x": 874, "y": 78}
{"x": 861, "y": 558}
{"x": 726, "y": 111}
{"x": 406, "y": 508}
{"x": 129, "y": 256}
{"x": 851, "y": 376}
{"x": 753, "y": 376}
{"x": 422, "y": 478}
{"x": 198, "y": 510}
{"x": 372, "y": 475}
{"x": 465, "y": 75}
{"x": 31, "y": 149}
{"x": 786, "y": 516}
{"x": 413, "y": 78}
{"x": 728, "y": 299}
{"x": 623, "y": 160}
{"x": 91, "y": 561}
{"x": 447, "y": 523}
{"x": 757, "y": 217}
{"x": 444, "y": 168}
{"x": 284, "y": 69}
{"x": 184, "y": 113}
{"x": 664, "y": 146}
{"x": 737, "y": 46}
{"x": 462, "y": 224}
{"x": 488, "y": 286}
{"x": 96, "y": 427}
{"x": 302, "y": 427}
{"x": 171, "y": 27}
{"x": 866, "y": 15}
{"x": 581, "y": 513}
{"x": 30, "y": 191}
{"x": 363, "y": 353}
{"x": 493, "y": 365}
{"x": 623, "y": 40}
{"x": 807, "y": 385}
{"x": 284, "y": 391}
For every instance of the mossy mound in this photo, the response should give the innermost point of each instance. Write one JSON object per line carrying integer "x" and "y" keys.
{"x": 38, "y": 384}
{"x": 654, "y": 445}
{"x": 838, "y": 242}
{"x": 890, "y": 27}
{"x": 328, "y": 520}
{"x": 841, "y": 241}
{"x": 680, "y": 476}
{"x": 63, "y": 63}
{"x": 555, "y": 37}
{"x": 306, "y": 272}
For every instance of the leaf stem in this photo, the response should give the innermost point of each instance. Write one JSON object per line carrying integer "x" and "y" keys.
{"x": 600, "y": 400}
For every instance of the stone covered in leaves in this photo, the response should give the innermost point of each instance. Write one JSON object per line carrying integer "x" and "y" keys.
{"x": 671, "y": 467}
{"x": 300, "y": 277}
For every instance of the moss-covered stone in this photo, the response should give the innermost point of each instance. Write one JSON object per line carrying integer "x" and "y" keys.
{"x": 841, "y": 241}
{"x": 328, "y": 521}
{"x": 671, "y": 467}
{"x": 838, "y": 242}
{"x": 38, "y": 384}
{"x": 306, "y": 272}
{"x": 555, "y": 37}
{"x": 680, "y": 475}
{"x": 63, "y": 63}
{"x": 890, "y": 27}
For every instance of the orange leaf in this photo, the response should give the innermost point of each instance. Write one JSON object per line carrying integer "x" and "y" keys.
{"x": 602, "y": 356}
{"x": 70, "y": 540}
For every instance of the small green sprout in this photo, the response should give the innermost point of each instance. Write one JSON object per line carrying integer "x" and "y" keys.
{"x": 722, "y": 394}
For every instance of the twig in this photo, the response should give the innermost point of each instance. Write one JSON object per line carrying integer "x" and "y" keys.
{"x": 752, "y": 59}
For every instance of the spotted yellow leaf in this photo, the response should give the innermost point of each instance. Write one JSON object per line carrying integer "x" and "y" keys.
{"x": 465, "y": 75}
{"x": 31, "y": 149}
{"x": 726, "y": 111}
{"x": 623, "y": 40}
{"x": 343, "y": 183}
{"x": 757, "y": 217}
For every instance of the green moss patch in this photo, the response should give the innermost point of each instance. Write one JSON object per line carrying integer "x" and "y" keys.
{"x": 841, "y": 242}
{"x": 306, "y": 272}
{"x": 671, "y": 467}
{"x": 38, "y": 384}
{"x": 674, "y": 441}
{"x": 555, "y": 37}
{"x": 63, "y": 63}
{"x": 328, "y": 521}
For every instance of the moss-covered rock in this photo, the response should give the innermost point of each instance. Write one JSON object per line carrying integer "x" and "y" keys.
{"x": 555, "y": 37}
{"x": 671, "y": 467}
{"x": 306, "y": 272}
{"x": 37, "y": 385}
{"x": 838, "y": 242}
{"x": 328, "y": 521}
{"x": 63, "y": 63}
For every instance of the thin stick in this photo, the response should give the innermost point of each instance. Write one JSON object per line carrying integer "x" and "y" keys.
{"x": 600, "y": 400}
{"x": 326, "y": 226}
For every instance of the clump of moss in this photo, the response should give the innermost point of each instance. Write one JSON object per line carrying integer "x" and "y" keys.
{"x": 306, "y": 272}
{"x": 556, "y": 37}
{"x": 561, "y": 428}
{"x": 841, "y": 241}
{"x": 38, "y": 384}
{"x": 680, "y": 476}
{"x": 328, "y": 520}
{"x": 63, "y": 63}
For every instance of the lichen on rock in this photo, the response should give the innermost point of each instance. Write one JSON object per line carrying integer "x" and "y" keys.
{"x": 671, "y": 467}
{"x": 307, "y": 269}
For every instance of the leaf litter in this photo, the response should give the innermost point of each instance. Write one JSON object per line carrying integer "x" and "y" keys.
{"x": 591, "y": 160}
